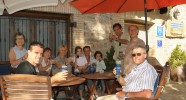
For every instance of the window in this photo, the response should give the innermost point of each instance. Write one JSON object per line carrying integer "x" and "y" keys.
{"x": 48, "y": 28}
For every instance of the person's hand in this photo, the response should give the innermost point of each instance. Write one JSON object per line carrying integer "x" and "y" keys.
{"x": 60, "y": 76}
{"x": 120, "y": 95}
{"x": 114, "y": 37}
{"x": 114, "y": 71}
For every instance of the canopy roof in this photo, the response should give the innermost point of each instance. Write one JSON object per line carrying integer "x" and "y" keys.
{"x": 15, "y": 5}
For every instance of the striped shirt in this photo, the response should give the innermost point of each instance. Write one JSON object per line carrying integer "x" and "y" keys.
{"x": 142, "y": 77}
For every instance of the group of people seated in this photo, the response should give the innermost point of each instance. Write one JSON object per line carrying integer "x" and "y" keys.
{"x": 139, "y": 77}
{"x": 38, "y": 60}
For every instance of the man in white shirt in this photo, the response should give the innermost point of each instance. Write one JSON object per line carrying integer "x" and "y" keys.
{"x": 121, "y": 40}
{"x": 140, "y": 81}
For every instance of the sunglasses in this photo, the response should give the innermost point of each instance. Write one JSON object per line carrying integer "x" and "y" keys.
{"x": 136, "y": 54}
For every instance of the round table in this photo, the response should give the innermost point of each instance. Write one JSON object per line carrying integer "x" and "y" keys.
{"x": 99, "y": 76}
{"x": 72, "y": 81}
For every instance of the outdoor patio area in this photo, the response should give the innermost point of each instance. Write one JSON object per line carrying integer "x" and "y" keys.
{"x": 93, "y": 49}
{"x": 174, "y": 91}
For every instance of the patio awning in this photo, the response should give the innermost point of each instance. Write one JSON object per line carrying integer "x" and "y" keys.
{"x": 15, "y": 5}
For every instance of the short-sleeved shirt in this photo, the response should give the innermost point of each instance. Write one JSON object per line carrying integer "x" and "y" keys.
{"x": 26, "y": 68}
{"x": 128, "y": 62}
{"x": 61, "y": 61}
{"x": 120, "y": 48}
{"x": 81, "y": 61}
{"x": 142, "y": 77}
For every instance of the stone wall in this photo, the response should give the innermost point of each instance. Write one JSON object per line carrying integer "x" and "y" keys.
{"x": 94, "y": 29}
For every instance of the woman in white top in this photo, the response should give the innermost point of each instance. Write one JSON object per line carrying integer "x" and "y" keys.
{"x": 80, "y": 62}
{"x": 17, "y": 53}
{"x": 46, "y": 62}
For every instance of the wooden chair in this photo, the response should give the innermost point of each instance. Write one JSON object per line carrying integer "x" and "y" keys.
{"x": 164, "y": 76}
{"x": 25, "y": 87}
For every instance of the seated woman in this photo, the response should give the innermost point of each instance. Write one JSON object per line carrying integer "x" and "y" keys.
{"x": 80, "y": 65}
{"x": 18, "y": 53}
{"x": 46, "y": 63}
{"x": 62, "y": 60}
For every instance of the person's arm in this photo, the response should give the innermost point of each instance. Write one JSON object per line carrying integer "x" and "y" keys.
{"x": 12, "y": 58}
{"x": 58, "y": 77}
{"x": 103, "y": 65}
{"x": 144, "y": 93}
{"x": 44, "y": 68}
{"x": 122, "y": 41}
{"x": 121, "y": 80}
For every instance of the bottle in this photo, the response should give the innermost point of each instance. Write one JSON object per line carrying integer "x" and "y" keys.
{"x": 92, "y": 68}
{"x": 63, "y": 68}
{"x": 118, "y": 68}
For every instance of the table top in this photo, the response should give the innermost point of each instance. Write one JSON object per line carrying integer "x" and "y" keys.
{"x": 73, "y": 80}
{"x": 97, "y": 75}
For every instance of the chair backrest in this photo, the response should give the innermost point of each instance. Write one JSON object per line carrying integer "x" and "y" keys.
{"x": 25, "y": 87}
{"x": 164, "y": 76}
{"x": 5, "y": 69}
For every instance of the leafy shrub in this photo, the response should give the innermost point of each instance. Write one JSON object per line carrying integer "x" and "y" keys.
{"x": 177, "y": 58}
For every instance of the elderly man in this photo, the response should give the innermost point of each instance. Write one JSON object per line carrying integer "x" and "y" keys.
{"x": 140, "y": 81}
{"x": 128, "y": 62}
{"x": 28, "y": 66}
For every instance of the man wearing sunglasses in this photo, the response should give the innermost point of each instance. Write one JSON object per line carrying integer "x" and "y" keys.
{"x": 128, "y": 63}
{"x": 140, "y": 81}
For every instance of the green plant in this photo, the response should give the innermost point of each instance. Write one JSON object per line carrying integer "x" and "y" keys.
{"x": 177, "y": 58}
{"x": 109, "y": 61}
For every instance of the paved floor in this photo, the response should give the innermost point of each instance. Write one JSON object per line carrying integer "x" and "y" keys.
{"x": 174, "y": 91}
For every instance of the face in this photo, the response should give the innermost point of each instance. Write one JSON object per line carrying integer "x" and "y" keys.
{"x": 47, "y": 54}
{"x": 98, "y": 57}
{"x": 79, "y": 52}
{"x": 133, "y": 31}
{"x": 87, "y": 52}
{"x": 117, "y": 30}
{"x": 62, "y": 51}
{"x": 138, "y": 55}
{"x": 19, "y": 40}
{"x": 35, "y": 54}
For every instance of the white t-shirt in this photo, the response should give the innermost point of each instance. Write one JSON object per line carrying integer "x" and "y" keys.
{"x": 81, "y": 61}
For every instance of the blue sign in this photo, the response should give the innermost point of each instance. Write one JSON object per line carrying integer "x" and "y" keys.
{"x": 159, "y": 43}
{"x": 160, "y": 31}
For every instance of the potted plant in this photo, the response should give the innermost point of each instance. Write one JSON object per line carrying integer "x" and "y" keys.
{"x": 177, "y": 62}
{"x": 109, "y": 61}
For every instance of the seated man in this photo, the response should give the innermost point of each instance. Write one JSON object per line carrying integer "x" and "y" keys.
{"x": 28, "y": 66}
{"x": 140, "y": 81}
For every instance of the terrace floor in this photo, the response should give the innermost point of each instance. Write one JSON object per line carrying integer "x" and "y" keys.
{"x": 172, "y": 91}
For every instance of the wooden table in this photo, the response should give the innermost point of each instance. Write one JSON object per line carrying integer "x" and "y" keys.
{"x": 99, "y": 76}
{"x": 71, "y": 81}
